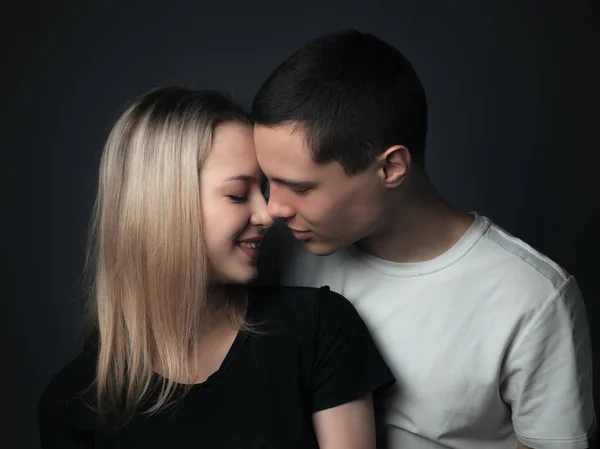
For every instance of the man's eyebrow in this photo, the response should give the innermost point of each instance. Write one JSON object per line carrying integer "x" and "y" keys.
{"x": 293, "y": 183}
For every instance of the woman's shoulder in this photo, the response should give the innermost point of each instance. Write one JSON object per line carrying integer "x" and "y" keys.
{"x": 74, "y": 382}
{"x": 307, "y": 306}
{"x": 68, "y": 399}
{"x": 82, "y": 368}
{"x": 344, "y": 363}
{"x": 297, "y": 298}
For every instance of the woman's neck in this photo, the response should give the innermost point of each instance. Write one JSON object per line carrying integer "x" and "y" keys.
{"x": 225, "y": 312}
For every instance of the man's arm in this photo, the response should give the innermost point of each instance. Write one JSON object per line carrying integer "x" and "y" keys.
{"x": 547, "y": 376}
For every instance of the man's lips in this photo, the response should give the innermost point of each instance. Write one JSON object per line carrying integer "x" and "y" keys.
{"x": 301, "y": 235}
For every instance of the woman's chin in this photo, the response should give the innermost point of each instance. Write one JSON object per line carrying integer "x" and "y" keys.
{"x": 252, "y": 274}
{"x": 243, "y": 276}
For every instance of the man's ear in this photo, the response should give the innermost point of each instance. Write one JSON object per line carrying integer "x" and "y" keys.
{"x": 395, "y": 164}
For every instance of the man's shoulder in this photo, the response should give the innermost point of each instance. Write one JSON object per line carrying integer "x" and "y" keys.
{"x": 517, "y": 260}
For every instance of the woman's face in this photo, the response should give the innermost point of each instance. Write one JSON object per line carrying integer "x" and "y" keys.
{"x": 234, "y": 210}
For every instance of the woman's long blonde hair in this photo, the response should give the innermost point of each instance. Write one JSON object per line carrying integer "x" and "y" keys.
{"x": 151, "y": 274}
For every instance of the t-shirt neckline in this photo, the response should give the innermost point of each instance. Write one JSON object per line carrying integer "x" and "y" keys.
{"x": 234, "y": 350}
{"x": 411, "y": 269}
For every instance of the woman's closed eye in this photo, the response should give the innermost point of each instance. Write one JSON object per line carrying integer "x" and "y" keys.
{"x": 237, "y": 199}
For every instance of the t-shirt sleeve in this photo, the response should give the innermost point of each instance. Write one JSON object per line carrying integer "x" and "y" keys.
{"x": 54, "y": 430}
{"x": 548, "y": 382}
{"x": 347, "y": 365}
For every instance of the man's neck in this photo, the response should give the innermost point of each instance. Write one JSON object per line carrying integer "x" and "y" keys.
{"x": 420, "y": 226}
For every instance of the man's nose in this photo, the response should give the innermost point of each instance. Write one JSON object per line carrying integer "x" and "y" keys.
{"x": 277, "y": 208}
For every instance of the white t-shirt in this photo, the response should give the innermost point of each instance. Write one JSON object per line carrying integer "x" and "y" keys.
{"x": 488, "y": 340}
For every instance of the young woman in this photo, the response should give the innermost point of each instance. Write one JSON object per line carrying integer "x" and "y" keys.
{"x": 187, "y": 355}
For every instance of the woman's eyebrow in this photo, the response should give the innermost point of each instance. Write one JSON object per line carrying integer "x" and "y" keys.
{"x": 248, "y": 178}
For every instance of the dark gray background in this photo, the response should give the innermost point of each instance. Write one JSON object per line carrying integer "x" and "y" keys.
{"x": 514, "y": 100}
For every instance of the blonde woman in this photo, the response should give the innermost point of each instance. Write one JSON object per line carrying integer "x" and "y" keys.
{"x": 186, "y": 354}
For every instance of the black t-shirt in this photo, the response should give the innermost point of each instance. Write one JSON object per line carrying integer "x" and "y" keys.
{"x": 313, "y": 352}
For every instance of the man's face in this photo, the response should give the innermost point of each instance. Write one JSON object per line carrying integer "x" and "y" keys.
{"x": 322, "y": 205}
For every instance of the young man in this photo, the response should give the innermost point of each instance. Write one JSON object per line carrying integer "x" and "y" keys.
{"x": 488, "y": 338}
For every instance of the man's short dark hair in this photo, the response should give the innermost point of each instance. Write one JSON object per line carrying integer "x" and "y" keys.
{"x": 352, "y": 95}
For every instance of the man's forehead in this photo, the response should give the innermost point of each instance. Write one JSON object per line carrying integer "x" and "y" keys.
{"x": 282, "y": 145}
{"x": 280, "y": 134}
{"x": 283, "y": 155}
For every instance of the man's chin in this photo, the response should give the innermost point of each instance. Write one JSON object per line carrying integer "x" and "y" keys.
{"x": 320, "y": 248}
